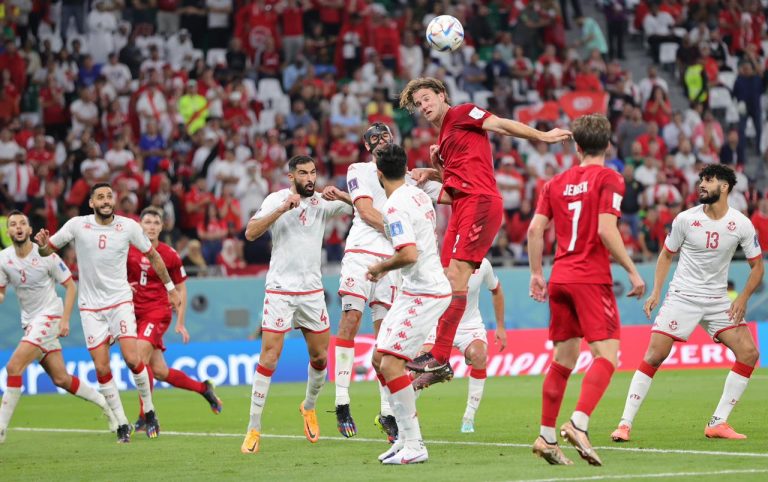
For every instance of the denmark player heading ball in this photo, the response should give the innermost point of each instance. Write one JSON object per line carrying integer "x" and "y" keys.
{"x": 463, "y": 162}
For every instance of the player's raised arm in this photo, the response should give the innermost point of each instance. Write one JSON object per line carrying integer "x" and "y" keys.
{"x": 509, "y": 127}
{"x": 369, "y": 214}
{"x": 268, "y": 214}
{"x": 538, "y": 287}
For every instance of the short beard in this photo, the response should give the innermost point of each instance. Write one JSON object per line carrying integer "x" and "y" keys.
{"x": 102, "y": 216}
{"x": 711, "y": 198}
{"x": 302, "y": 191}
{"x": 21, "y": 243}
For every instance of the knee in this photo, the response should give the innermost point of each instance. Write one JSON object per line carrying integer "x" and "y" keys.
{"x": 319, "y": 359}
{"x": 479, "y": 361}
{"x": 160, "y": 372}
{"x": 102, "y": 370}
{"x": 268, "y": 359}
{"x": 390, "y": 367}
{"x": 655, "y": 357}
{"x": 14, "y": 369}
{"x": 61, "y": 380}
{"x": 749, "y": 356}
{"x": 376, "y": 361}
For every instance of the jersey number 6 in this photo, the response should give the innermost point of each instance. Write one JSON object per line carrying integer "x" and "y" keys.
{"x": 102, "y": 241}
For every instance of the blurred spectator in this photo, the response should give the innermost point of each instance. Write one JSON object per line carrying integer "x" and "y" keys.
{"x": 211, "y": 231}
{"x": 194, "y": 262}
{"x": 511, "y": 184}
{"x": 616, "y": 16}
{"x": 657, "y": 26}
{"x": 730, "y": 152}
{"x": 747, "y": 90}
{"x": 517, "y": 228}
{"x": 630, "y": 203}
{"x": 658, "y": 109}
{"x": 592, "y": 37}
{"x": 760, "y": 221}
{"x": 674, "y": 131}
{"x": 629, "y": 130}
{"x": 647, "y": 173}
{"x": 647, "y": 84}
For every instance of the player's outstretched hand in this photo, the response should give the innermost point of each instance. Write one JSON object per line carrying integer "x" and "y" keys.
{"x": 63, "y": 328}
{"x": 501, "y": 338}
{"x": 182, "y": 330}
{"x": 638, "y": 285}
{"x": 651, "y": 303}
{"x": 538, "y": 288}
{"x": 421, "y": 174}
{"x": 175, "y": 298}
{"x": 737, "y": 310}
{"x": 42, "y": 237}
{"x": 556, "y": 135}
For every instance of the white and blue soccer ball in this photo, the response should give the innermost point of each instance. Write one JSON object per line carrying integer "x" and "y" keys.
{"x": 445, "y": 33}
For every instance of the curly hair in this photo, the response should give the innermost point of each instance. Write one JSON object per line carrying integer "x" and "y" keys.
{"x": 435, "y": 85}
{"x": 720, "y": 172}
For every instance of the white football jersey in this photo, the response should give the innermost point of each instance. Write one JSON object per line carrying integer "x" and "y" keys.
{"x": 706, "y": 247}
{"x": 362, "y": 182}
{"x": 102, "y": 252}
{"x": 482, "y": 276}
{"x": 410, "y": 219}
{"x": 297, "y": 241}
{"x": 33, "y": 278}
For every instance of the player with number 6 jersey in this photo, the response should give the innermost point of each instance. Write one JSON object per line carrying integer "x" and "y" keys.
{"x": 706, "y": 237}
{"x": 584, "y": 204}
{"x": 105, "y": 299}
{"x": 153, "y": 312}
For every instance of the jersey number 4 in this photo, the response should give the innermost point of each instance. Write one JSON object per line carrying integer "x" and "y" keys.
{"x": 576, "y": 208}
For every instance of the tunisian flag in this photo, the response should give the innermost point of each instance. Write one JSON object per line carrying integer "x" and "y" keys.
{"x": 547, "y": 112}
{"x": 576, "y": 104}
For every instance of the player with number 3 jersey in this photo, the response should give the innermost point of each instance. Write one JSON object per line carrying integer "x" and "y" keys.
{"x": 153, "y": 312}
{"x": 584, "y": 204}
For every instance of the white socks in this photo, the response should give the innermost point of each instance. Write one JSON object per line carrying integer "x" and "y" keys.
{"x": 141, "y": 380}
{"x": 385, "y": 409}
{"x": 110, "y": 393}
{"x": 315, "y": 381}
{"x": 261, "y": 380}
{"x": 474, "y": 396}
{"x": 735, "y": 385}
{"x": 580, "y": 420}
{"x": 345, "y": 358}
{"x": 8, "y": 405}
{"x": 638, "y": 390}
{"x": 403, "y": 404}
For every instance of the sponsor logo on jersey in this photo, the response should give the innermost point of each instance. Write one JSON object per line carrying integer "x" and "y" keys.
{"x": 391, "y": 210}
{"x": 397, "y": 347}
{"x": 399, "y": 335}
{"x": 352, "y": 184}
{"x": 407, "y": 324}
{"x": 396, "y": 229}
{"x": 731, "y": 226}
{"x": 347, "y": 307}
{"x": 696, "y": 224}
{"x": 411, "y": 311}
{"x": 417, "y": 301}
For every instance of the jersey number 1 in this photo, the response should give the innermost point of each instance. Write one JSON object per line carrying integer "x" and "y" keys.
{"x": 576, "y": 208}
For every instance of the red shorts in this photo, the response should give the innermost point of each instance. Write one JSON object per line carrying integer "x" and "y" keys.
{"x": 586, "y": 311}
{"x": 152, "y": 329}
{"x": 474, "y": 224}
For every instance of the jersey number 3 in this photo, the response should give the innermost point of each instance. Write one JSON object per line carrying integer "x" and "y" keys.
{"x": 576, "y": 208}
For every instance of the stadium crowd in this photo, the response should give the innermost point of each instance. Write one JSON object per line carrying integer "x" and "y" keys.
{"x": 195, "y": 106}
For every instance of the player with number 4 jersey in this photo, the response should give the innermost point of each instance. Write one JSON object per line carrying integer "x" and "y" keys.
{"x": 706, "y": 237}
{"x": 153, "y": 312}
{"x": 584, "y": 205}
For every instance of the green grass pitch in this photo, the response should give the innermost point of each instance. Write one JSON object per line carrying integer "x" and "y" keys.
{"x": 196, "y": 445}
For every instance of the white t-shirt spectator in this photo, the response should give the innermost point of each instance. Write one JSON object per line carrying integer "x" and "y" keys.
{"x": 659, "y": 24}
{"x": 215, "y": 19}
{"x": 85, "y": 110}
{"x": 646, "y": 175}
{"x": 119, "y": 75}
{"x": 118, "y": 159}
{"x": 99, "y": 166}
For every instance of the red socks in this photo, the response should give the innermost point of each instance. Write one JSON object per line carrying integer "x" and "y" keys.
{"x": 179, "y": 379}
{"x": 647, "y": 369}
{"x": 740, "y": 369}
{"x": 398, "y": 384}
{"x": 478, "y": 374}
{"x": 14, "y": 381}
{"x": 74, "y": 385}
{"x": 104, "y": 379}
{"x": 593, "y": 387}
{"x": 553, "y": 392}
{"x": 447, "y": 326}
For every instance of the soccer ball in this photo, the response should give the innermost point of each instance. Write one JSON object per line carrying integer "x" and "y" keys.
{"x": 445, "y": 33}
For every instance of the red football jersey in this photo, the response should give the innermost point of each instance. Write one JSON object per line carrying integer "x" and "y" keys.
{"x": 465, "y": 151}
{"x": 574, "y": 200}
{"x": 150, "y": 298}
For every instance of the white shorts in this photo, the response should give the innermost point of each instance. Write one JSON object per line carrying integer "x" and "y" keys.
{"x": 107, "y": 325}
{"x": 285, "y": 311}
{"x": 43, "y": 332}
{"x": 679, "y": 315}
{"x": 408, "y": 323}
{"x": 355, "y": 289}
{"x": 466, "y": 334}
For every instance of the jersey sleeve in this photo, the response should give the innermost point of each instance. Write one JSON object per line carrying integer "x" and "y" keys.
{"x": 611, "y": 194}
{"x": 356, "y": 184}
{"x": 469, "y": 116}
{"x": 137, "y": 237}
{"x": 337, "y": 208}
{"x": 176, "y": 269}
{"x": 399, "y": 229}
{"x": 64, "y": 235}
{"x": 676, "y": 235}
{"x": 58, "y": 269}
{"x": 749, "y": 241}
{"x": 489, "y": 277}
{"x": 544, "y": 205}
{"x": 269, "y": 205}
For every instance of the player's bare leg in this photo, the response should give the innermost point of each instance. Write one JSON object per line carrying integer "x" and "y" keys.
{"x": 658, "y": 350}
{"x": 741, "y": 343}
{"x": 349, "y": 325}
{"x": 596, "y": 381}
{"x": 130, "y": 351}
{"x": 409, "y": 448}
{"x": 271, "y": 348}
{"x": 54, "y": 366}
{"x": 435, "y": 365}
{"x": 108, "y": 389}
{"x": 477, "y": 354}
{"x": 317, "y": 372}
{"x": 564, "y": 358}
